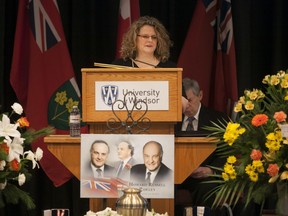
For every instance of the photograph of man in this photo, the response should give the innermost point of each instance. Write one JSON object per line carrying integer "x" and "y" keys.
{"x": 153, "y": 171}
{"x": 97, "y": 167}
{"x": 125, "y": 152}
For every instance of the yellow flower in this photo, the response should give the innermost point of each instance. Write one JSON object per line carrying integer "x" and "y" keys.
{"x": 231, "y": 159}
{"x": 228, "y": 168}
{"x": 266, "y": 79}
{"x": 286, "y": 96}
{"x": 273, "y": 142}
{"x": 284, "y": 175}
{"x": 284, "y": 83}
{"x": 238, "y": 107}
{"x": 253, "y": 176}
{"x": 249, "y": 169}
{"x": 249, "y": 105}
{"x": 233, "y": 130}
{"x": 225, "y": 176}
{"x": 233, "y": 175}
{"x": 261, "y": 169}
{"x": 260, "y": 94}
{"x": 274, "y": 80}
{"x": 257, "y": 163}
{"x": 256, "y": 94}
{"x": 242, "y": 100}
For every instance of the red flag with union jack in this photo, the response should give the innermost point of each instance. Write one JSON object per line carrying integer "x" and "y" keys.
{"x": 42, "y": 75}
{"x": 128, "y": 12}
{"x": 208, "y": 53}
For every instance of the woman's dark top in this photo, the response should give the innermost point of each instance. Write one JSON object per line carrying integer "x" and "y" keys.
{"x": 129, "y": 63}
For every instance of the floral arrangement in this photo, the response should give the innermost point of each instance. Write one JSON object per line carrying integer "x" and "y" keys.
{"x": 109, "y": 212}
{"x": 255, "y": 145}
{"x": 15, "y": 156}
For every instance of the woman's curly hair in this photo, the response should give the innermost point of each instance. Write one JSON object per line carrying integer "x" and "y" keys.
{"x": 129, "y": 49}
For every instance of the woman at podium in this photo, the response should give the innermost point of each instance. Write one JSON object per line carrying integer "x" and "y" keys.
{"x": 146, "y": 45}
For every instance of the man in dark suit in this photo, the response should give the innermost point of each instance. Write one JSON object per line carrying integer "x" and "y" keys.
{"x": 153, "y": 171}
{"x": 194, "y": 112}
{"x": 97, "y": 166}
{"x": 195, "y": 118}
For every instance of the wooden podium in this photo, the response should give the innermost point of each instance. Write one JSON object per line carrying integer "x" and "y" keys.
{"x": 162, "y": 121}
{"x": 188, "y": 151}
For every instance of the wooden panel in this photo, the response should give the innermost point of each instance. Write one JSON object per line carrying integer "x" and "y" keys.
{"x": 190, "y": 152}
{"x": 172, "y": 75}
{"x": 157, "y": 128}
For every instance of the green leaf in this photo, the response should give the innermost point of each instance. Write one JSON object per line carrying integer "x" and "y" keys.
{"x": 12, "y": 194}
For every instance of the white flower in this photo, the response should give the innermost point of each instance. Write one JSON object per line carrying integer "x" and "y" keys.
{"x": 90, "y": 213}
{"x": 3, "y": 185}
{"x": 21, "y": 179}
{"x": 34, "y": 157}
{"x": 7, "y": 129}
{"x": 152, "y": 213}
{"x": 2, "y": 165}
{"x": 109, "y": 212}
{"x": 38, "y": 154}
{"x": 16, "y": 149}
{"x": 17, "y": 108}
{"x": 29, "y": 155}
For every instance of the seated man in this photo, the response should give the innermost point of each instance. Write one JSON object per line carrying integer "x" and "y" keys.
{"x": 196, "y": 116}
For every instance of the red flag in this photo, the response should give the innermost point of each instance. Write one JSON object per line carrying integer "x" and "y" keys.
{"x": 208, "y": 54}
{"x": 128, "y": 12}
{"x": 42, "y": 75}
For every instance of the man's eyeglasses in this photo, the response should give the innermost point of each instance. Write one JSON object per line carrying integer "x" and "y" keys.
{"x": 146, "y": 37}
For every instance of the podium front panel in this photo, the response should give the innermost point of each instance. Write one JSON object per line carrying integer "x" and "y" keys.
{"x": 92, "y": 75}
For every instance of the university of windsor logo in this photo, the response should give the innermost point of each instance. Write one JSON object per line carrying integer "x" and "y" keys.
{"x": 109, "y": 94}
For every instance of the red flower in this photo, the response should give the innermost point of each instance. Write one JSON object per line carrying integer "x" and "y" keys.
{"x": 14, "y": 165}
{"x": 256, "y": 154}
{"x": 280, "y": 116}
{"x": 23, "y": 122}
{"x": 259, "y": 120}
{"x": 4, "y": 147}
{"x": 128, "y": 166}
{"x": 273, "y": 170}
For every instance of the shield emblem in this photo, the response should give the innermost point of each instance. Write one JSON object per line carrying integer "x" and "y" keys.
{"x": 109, "y": 94}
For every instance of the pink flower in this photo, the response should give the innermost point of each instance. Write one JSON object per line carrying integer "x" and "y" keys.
{"x": 273, "y": 170}
{"x": 280, "y": 116}
{"x": 256, "y": 154}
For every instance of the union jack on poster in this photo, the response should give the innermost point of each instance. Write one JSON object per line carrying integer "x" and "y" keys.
{"x": 96, "y": 185}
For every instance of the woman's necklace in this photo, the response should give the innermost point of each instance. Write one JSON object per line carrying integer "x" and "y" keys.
{"x": 135, "y": 60}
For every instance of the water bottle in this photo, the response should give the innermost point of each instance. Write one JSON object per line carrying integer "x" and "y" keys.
{"x": 74, "y": 122}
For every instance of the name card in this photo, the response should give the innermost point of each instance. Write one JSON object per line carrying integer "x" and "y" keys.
{"x": 154, "y": 93}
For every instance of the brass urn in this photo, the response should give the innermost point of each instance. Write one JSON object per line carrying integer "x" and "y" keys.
{"x": 131, "y": 203}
